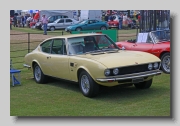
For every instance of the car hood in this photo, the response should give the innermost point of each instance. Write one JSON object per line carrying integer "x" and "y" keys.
{"x": 51, "y": 24}
{"x": 122, "y": 58}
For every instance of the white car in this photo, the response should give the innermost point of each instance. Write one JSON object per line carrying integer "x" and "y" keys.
{"x": 61, "y": 23}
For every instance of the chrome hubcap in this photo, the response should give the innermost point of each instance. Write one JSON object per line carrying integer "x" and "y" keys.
{"x": 37, "y": 73}
{"x": 166, "y": 63}
{"x": 103, "y": 28}
{"x": 85, "y": 84}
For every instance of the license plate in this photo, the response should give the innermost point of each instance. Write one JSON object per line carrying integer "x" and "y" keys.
{"x": 137, "y": 80}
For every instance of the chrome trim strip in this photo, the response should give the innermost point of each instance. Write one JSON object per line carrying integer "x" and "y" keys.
{"x": 130, "y": 76}
{"x": 25, "y": 65}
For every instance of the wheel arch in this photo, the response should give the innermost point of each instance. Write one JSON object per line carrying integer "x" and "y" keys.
{"x": 162, "y": 53}
{"x": 36, "y": 62}
{"x": 78, "y": 27}
{"x": 103, "y": 26}
{"x": 82, "y": 69}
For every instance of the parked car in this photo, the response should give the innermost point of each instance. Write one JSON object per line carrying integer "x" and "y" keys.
{"x": 114, "y": 23}
{"x": 92, "y": 60}
{"x": 61, "y": 23}
{"x": 157, "y": 43}
{"x": 88, "y": 25}
{"x": 51, "y": 19}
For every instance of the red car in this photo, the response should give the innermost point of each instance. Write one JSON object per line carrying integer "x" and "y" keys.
{"x": 155, "y": 42}
{"x": 114, "y": 23}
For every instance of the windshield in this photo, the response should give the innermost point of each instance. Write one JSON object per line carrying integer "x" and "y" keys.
{"x": 56, "y": 21}
{"x": 82, "y": 22}
{"x": 91, "y": 44}
{"x": 160, "y": 36}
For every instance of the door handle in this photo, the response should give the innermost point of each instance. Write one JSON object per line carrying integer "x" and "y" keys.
{"x": 48, "y": 57}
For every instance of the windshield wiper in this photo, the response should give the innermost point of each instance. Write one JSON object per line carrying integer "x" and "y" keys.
{"x": 109, "y": 49}
{"x": 95, "y": 51}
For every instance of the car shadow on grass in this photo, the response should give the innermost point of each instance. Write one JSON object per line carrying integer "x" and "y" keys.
{"x": 107, "y": 93}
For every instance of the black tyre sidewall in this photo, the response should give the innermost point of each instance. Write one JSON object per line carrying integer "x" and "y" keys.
{"x": 164, "y": 55}
{"x": 144, "y": 85}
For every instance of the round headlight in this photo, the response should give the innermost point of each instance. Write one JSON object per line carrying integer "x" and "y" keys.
{"x": 115, "y": 71}
{"x": 155, "y": 66}
{"x": 107, "y": 72}
{"x": 150, "y": 66}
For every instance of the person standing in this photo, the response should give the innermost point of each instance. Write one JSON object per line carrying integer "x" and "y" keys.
{"x": 120, "y": 21}
{"x": 23, "y": 21}
{"x": 125, "y": 20}
{"x": 44, "y": 22}
{"x": 10, "y": 24}
{"x": 106, "y": 18}
{"x": 15, "y": 21}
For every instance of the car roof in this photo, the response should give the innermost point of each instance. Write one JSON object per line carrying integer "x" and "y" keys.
{"x": 75, "y": 35}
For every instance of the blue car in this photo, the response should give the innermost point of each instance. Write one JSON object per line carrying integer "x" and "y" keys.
{"x": 88, "y": 25}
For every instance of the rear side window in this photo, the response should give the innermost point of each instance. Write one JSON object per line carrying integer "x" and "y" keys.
{"x": 68, "y": 20}
{"x": 46, "y": 46}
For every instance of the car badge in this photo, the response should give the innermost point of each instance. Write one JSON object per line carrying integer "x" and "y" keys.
{"x": 136, "y": 63}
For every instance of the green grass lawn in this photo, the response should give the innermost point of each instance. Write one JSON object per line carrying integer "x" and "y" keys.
{"x": 62, "y": 98}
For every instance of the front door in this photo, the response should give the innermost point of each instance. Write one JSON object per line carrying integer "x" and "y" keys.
{"x": 59, "y": 60}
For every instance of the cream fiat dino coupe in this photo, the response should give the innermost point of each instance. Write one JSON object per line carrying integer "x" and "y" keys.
{"x": 92, "y": 60}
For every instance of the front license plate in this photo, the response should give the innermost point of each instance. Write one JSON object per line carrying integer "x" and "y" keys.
{"x": 137, "y": 80}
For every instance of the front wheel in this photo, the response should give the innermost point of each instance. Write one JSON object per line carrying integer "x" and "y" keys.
{"x": 165, "y": 63}
{"x": 38, "y": 75}
{"x": 144, "y": 85}
{"x": 78, "y": 29}
{"x": 88, "y": 86}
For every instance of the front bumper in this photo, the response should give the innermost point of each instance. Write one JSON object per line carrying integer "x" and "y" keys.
{"x": 129, "y": 77}
{"x": 113, "y": 26}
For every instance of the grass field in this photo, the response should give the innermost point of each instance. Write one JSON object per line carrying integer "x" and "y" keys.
{"x": 62, "y": 98}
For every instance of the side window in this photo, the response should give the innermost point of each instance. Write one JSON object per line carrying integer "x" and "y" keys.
{"x": 46, "y": 46}
{"x": 149, "y": 40}
{"x": 59, "y": 47}
{"x": 61, "y": 21}
{"x": 90, "y": 21}
{"x": 68, "y": 20}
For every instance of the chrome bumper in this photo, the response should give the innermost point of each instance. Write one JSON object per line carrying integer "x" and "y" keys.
{"x": 25, "y": 65}
{"x": 130, "y": 76}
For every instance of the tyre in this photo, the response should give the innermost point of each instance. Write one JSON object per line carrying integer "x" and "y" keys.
{"x": 103, "y": 28}
{"x": 38, "y": 75}
{"x": 88, "y": 86}
{"x": 165, "y": 63}
{"x": 144, "y": 85}
{"x": 52, "y": 28}
{"x": 78, "y": 29}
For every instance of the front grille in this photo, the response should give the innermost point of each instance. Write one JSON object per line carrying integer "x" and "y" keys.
{"x": 131, "y": 69}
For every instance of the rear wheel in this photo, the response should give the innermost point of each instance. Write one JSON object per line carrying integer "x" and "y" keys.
{"x": 165, "y": 63}
{"x": 88, "y": 86}
{"x": 39, "y": 75}
{"x": 103, "y": 28}
{"x": 144, "y": 85}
